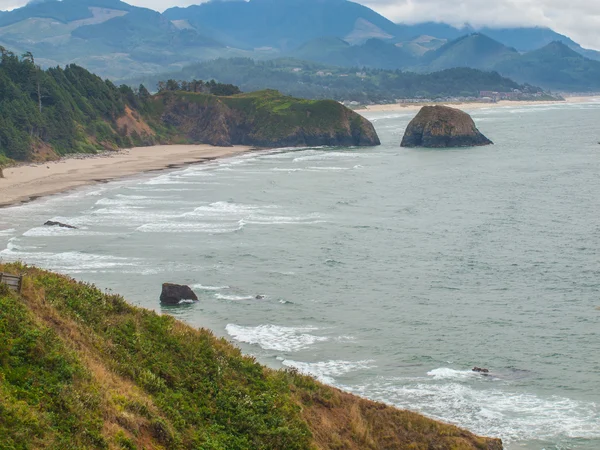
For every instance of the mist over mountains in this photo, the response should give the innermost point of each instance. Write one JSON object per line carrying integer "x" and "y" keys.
{"x": 121, "y": 41}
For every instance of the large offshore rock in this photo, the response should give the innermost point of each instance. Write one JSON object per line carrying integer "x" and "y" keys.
{"x": 172, "y": 294}
{"x": 442, "y": 126}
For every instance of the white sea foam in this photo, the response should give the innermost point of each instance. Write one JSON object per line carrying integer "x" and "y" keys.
{"x": 234, "y": 298}
{"x": 512, "y": 416}
{"x": 274, "y": 337}
{"x": 182, "y": 227}
{"x": 7, "y": 232}
{"x": 325, "y": 371}
{"x": 60, "y": 231}
{"x": 73, "y": 261}
{"x": 328, "y": 155}
{"x": 201, "y": 287}
{"x": 445, "y": 373}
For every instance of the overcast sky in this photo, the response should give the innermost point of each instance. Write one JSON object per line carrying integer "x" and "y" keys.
{"x": 578, "y": 19}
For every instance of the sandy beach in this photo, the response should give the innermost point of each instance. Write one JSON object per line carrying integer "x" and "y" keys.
{"x": 29, "y": 181}
{"x": 474, "y": 105}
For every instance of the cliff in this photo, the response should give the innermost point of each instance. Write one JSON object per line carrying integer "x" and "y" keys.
{"x": 263, "y": 119}
{"x": 83, "y": 369}
{"x": 442, "y": 126}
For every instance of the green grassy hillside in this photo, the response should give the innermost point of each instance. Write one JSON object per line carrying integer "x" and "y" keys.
{"x": 82, "y": 369}
{"x": 47, "y": 114}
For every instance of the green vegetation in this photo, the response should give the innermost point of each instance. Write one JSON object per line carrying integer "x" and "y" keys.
{"x": 46, "y": 114}
{"x": 70, "y": 109}
{"x": 81, "y": 369}
{"x": 317, "y": 81}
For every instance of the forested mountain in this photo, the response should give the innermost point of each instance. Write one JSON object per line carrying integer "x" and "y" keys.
{"x": 312, "y": 80}
{"x": 555, "y": 66}
{"x": 284, "y": 24}
{"x": 120, "y": 41}
{"x": 475, "y": 50}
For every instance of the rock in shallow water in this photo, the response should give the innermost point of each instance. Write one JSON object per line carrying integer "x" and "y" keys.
{"x": 172, "y": 294}
{"x": 51, "y": 223}
{"x": 441, "y": 127}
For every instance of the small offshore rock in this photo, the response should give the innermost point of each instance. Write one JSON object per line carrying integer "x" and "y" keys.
{"x": 259, "y": 297}
{"x": 443, "y": 127}
{"x": 172, "y": 294}
{"x": 51, "y": 223}
{"x": 480, "y": 370}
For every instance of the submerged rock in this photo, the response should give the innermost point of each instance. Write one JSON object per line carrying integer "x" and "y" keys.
{"x": 480, "y": 370}
{"x": 172, "y": 294}
{"x": 440, "y": 127}
{"x": 51, "y": 223}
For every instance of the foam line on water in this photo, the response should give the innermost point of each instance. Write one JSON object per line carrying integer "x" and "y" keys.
{"x": 513, "y": 416}
{"x": 201, "y": 287}
{"x": 325, "y": 371}
{"x": 7, "y": 232}
{"x": 234, "y": 298}
{"x": 274, "y": 337}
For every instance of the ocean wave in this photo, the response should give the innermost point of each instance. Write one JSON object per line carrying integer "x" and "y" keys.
{"x": 7, "y": 232}
{"x": 182, "y": 227}
{"x": 512, "y": 416}
{"x": 72, "y": 261}
{"x": 201, "y": 287}
{"x": 329, "y": 155}
{"x": 274, "y": 337}
{"x": 47, "y": 231}
{"x": 325, "y": 371}
{"x": 445, "y": 373}
{"x": 234, "y": 298}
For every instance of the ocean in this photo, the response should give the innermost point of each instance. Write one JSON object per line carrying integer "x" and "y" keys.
{"x": 385, "y": 271}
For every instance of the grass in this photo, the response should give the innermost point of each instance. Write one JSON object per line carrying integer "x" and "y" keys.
{"x": 81, "y": 369}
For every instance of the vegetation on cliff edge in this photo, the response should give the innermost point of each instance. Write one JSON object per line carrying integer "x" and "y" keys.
{"x": 80, "y": 369}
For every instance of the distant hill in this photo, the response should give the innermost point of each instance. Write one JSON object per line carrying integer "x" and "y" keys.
{"x": 120, "y": 41}
{"x": 109, "y": 36}
{"x": 314, "y": 80}
{"x": 554, "y": 66}
{"x": 523, "y": 39}
{"x": 284, "y": 24}
{"x": 374, "y": 53}
{"x": 475, "y": 50}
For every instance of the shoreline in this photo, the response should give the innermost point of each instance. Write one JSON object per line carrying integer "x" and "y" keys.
{"x": 395, "y": 107}
{"x": 30, "y": 181}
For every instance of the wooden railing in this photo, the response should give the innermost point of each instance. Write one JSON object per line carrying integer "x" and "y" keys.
{"x": 14, "y": 282}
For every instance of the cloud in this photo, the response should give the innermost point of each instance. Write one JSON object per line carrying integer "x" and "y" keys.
{"x": 578, "y": 19}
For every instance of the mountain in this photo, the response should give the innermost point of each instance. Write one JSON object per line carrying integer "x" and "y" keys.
{"x": 84, "y": 369}
{"x": 474, "y": 50}
{"x": 109, "y": 36}
{"x": 374, "y": 53}
{"x": 314, "y": 80}
{"x": 284, "y": 24}
{"x": 555, "y": 66}
{"x": 523, "y": 39}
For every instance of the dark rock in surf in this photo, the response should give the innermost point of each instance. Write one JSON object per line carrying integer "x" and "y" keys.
{"x": 259, "y": 297}
{"x": 442, "y": 127}
{"x": 172, "y": 294}
{"x": 51, "y": 223}
{"x": 480, "y": 370}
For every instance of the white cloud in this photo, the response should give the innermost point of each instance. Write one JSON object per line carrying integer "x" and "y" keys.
{"x": 578, "y": 19}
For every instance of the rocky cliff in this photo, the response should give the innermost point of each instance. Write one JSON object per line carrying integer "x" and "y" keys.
{"x": 263, "y": 119}
{"x": 441, "y": 126}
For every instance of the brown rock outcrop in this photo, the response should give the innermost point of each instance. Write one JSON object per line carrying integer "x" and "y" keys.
{"x": 442, "y": 126}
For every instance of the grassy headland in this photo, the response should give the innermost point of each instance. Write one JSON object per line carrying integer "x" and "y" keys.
{"x": 47, "y": 114}
{"x": 80, "y": 369}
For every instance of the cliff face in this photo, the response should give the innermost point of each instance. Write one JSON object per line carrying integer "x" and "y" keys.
{"x": 83, "y": 369}
{"x": 441, "y": 126}
{"x": 264, "y": 119}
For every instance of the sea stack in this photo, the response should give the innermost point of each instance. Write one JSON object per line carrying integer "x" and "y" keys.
{"x": 172, "y": 294}
{"x": 442, "y": 127}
